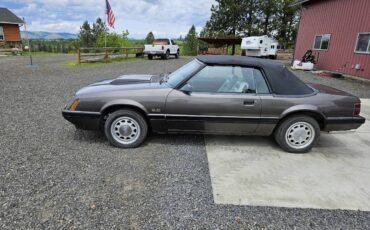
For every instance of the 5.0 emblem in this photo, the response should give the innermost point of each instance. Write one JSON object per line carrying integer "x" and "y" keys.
{"x": 156, "y": 110}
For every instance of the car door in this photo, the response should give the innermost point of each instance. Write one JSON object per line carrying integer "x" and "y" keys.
{"x": 217, "y": 99}
{"x": 173, "y": 47}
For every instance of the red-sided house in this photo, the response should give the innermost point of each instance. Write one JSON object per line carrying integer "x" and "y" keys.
{"x": 10, "y": 36}
{"x": 338, "y": 33}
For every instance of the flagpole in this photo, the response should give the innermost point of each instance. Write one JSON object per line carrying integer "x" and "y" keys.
{"x": 28, "y": 41}
{"x": 105, "y": 22}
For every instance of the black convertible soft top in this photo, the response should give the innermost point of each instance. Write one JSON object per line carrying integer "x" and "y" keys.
{"x": 281, "y": 80}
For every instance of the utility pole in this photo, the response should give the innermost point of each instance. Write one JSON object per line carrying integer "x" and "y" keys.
{"x": 28, "y": 41}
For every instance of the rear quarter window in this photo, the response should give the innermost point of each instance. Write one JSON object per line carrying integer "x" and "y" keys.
{"x": 261, "y": 85}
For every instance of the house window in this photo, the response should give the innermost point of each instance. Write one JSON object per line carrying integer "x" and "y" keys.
{"x": 321, "y": 42}
{"x": 363, "y": 43}
{"x": 1, "y": 33}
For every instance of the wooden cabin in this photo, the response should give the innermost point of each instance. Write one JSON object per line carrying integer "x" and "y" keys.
{"x": 10, "y": 36}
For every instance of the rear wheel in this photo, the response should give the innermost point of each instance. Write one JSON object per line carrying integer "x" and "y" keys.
{"x": 125, "y": 129}
{"x": 297, "y": 134}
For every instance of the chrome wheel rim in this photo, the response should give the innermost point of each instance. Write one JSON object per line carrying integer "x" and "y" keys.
{"x": 300, "y": 135}
{"x": 125, "y": 130}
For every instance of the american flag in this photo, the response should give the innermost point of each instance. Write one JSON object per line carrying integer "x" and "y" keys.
{"x": 110, "y": 15}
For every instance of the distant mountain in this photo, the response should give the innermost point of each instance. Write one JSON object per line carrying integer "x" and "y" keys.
{"x": 47, "y": 35}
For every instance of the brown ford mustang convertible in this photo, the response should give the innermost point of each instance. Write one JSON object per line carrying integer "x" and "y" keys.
{"x": 215, "y": 95}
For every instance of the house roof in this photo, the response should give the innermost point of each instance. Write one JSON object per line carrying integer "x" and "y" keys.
{"x": 7, "y": 17}
{"x": 281, "y": 80}
{"x": 300, "y": 2}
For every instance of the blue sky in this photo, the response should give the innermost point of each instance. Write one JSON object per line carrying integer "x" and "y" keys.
{"x": 166, "y": 18}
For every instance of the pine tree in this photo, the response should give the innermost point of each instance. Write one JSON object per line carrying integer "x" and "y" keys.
{"x": 191, "y": 42}
{"x": 267, "y": 12}
{"x": 238, "y": 18}
{"x": 98, "y": 28}
{"x": 85, "y": 36}
{"x": 149, "y": 38}
{"x": 286, "y": 22}
{"x": 227, "y": 18}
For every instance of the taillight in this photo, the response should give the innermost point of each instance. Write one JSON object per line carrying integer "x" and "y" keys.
{"x": 162, "y": 47}
{"x": 357, "y": 110}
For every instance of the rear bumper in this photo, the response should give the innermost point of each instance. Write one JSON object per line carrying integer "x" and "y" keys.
{"x": 343, "y": 123}
{"x": 82, "y": 119}
{"x": 161, "y": 52}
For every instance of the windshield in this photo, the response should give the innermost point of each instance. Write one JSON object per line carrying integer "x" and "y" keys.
{"x": 185, "y": 71}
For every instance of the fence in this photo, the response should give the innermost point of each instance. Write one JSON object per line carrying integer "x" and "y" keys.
{"x": 10, "y": 51}
{"x": 96, "y": 54}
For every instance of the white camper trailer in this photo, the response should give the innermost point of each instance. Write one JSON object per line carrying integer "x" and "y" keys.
{"x": 261, "y": 46}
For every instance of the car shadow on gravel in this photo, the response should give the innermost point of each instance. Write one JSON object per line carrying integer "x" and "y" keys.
{"x": 173, "y": 139}
{"x": 89, "y": 136}
{"x": 152, "y": 138}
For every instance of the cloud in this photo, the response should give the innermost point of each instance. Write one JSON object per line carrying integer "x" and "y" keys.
{"x": 62, "y": 26}
{"x": 163, "y": 17}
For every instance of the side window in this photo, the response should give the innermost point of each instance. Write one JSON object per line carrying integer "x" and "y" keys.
{"x": 321, "y": 42}
{"x": 362, "y": 45}
{"x": 261, "y": 84}
{"x": 173, "y": 43}
{"x": 224, "y": 79}
{"x": 1, "y": 33}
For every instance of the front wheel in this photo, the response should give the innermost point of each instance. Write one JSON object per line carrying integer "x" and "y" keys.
{"x": 177, "y": 55}
{"x": 125, "y": 129}
{"x": 150, "y": 56}
{"x": 298, "y": 134}
{"x": 167, "y": 55}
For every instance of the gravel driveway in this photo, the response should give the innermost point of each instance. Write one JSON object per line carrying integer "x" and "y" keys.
{"x": 54, "y": 176}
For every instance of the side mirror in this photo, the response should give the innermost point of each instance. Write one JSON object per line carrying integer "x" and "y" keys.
{"x": 187, "y": 89}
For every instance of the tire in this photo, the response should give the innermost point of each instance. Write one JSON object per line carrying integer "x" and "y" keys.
{"x": 177, "y": 55}
{"x": 167, "y": 55}
{"x": 125, "y": 129}
{"x": 306, "y": 130}
{"x": 150, "y": 57}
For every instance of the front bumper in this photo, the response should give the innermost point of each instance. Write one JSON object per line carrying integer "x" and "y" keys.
{"x": 82, "y": 119}
{"x": 343, "y": 123}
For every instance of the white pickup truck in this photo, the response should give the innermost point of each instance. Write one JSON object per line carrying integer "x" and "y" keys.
{"x": 162, "y": 48}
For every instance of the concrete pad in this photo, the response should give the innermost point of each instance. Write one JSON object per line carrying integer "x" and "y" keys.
{"x": 255, "y": 171}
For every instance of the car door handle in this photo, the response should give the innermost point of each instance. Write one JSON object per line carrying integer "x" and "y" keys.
{"x": 249, "y": 102}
